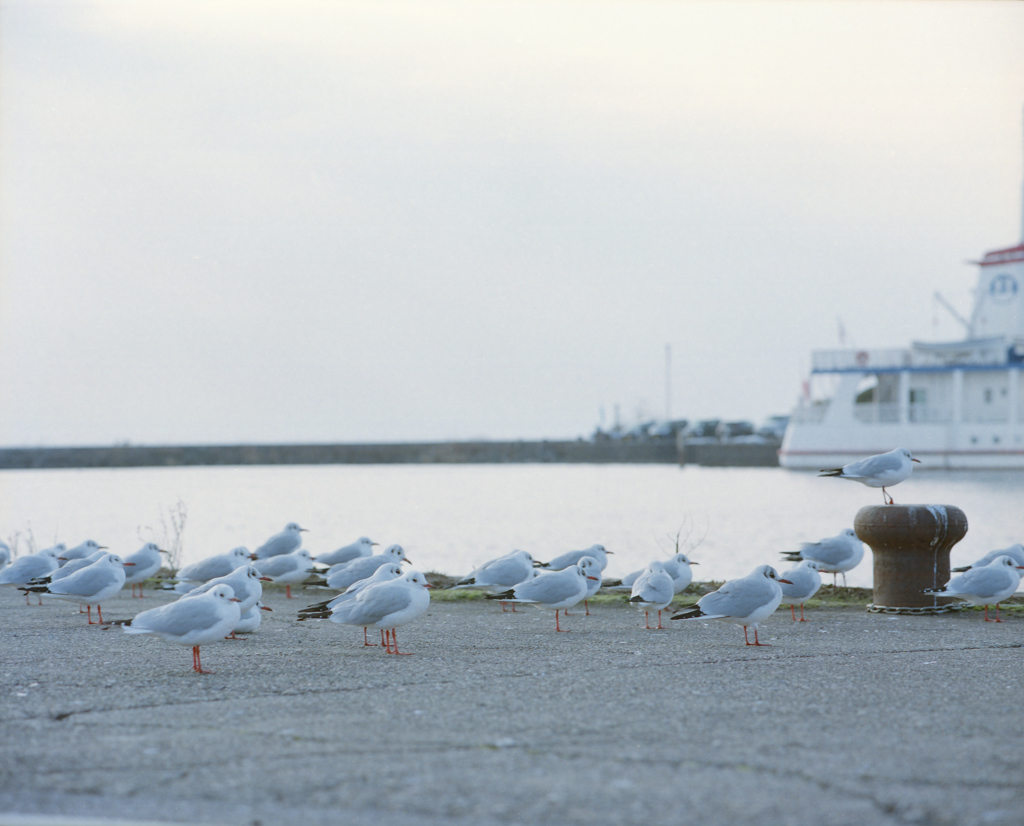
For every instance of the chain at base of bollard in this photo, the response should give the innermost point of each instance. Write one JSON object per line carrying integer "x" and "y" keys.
{"x": 928, "y": 609}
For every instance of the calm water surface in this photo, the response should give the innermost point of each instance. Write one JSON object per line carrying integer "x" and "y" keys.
{"x": 451, "y": 517}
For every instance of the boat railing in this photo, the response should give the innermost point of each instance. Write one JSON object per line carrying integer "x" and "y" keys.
{"x": 828, "y": 361}
{"x": 889, "y": 413}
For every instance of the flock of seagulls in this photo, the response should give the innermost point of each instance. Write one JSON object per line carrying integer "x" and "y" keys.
{"x": 222, "y": 596}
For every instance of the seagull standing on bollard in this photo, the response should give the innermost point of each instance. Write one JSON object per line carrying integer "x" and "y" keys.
{"x": 881, "y": 471}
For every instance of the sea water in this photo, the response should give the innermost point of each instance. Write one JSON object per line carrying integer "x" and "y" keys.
{"x": 450, "y": 518}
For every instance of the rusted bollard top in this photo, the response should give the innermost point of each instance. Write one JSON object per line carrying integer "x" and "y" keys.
{"x": 911, "y": 545}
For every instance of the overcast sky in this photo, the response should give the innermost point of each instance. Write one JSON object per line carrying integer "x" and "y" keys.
{"x": 397, "y": 221}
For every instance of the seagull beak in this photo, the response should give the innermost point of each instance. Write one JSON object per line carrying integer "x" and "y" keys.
{"x": 428, "y": 585}
{"x": 594, "y": 578}
{"x": 694, "y": 563}
{"x": 406, "y": 560}
{"x": 266, "y": 608}
{"x": 235, "y": 599}
{"x": 786, "y": 581}
{"x": 265, "y": 579}
{"x": 164, "y": 551}
{"x": 915, "y": 460}
{"x": 126, "y": 564}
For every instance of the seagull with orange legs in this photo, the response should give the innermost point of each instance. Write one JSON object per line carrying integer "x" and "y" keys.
{"x": 558, "y": 590}
{"x": 653, "y": 591}
{"x": 387, "y": 605}
{"x": 193, "y": 622}
{"x": 988, "y": 585}
{"x": 803, "y": 582}
{"x": 747, "y": 601}
{"x": 881, "y": 471}
{"x": 88, "y": 586}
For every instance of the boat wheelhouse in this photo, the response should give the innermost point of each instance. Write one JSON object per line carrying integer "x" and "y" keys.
{"x": 956, "y": 404}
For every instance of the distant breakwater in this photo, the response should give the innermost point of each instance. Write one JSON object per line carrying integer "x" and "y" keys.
{"x": 479, "y": 452}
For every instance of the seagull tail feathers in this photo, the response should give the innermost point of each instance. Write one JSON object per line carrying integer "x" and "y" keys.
{"x": 692, "y": 612}
{"x": 835, "y": 471}
{"x": 505, "y": 596}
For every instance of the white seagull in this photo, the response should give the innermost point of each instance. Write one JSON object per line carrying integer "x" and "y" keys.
{"x": 80, "y": 551}
{"x": 570, "y": 558}
{"x": 559, "y": 589}
{"x": 249, "y": 621}
{"x": 147, "y": 562}
{"x": 191, "y": 622}
{"x": 361, "y": 547}
{"x": 246, "y": 582}
{"x": 835, "y": 555}
{"x": 676, "y": 566}
{"x": 987, "y": 585}
{"x": 386, "y": 605}
{"x": 88, "y": 586}
{"x": 747, "y": 601}
{"x": 1015, "y": 552}
{"x": 350, "y": 573}
{"x": 287, "y": 568}
{"x": 26, "y": 568}
{"x": 281, "y": 543}
{"x": 592, "y": 569}
{"x": 803, "y": 583}
{"x": 881, "y": 471}
{"x": 213, "y": 567}
{"x": 322, "y": 610}
{"x": 653, "y": 591}
{"x": 500, "y": 574}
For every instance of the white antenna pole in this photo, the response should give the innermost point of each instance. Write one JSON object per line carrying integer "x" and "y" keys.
{"x": 668, "y": 382}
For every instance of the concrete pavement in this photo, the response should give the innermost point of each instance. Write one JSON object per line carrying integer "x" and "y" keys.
{"x": 850, "y": 717}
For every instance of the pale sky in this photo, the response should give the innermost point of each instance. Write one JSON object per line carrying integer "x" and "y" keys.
{"x": 400, "y": 221}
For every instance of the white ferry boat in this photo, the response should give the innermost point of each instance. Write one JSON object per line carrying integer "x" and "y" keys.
{"x": 956, "y": 404}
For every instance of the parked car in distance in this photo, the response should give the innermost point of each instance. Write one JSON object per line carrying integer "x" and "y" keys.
{"x": 774, "y": 428}
{"x": 732, "y": 430}
{"x": 704, "y": 429}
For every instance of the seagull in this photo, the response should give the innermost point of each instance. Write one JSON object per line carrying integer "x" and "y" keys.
{"x": 593, "y": 571}
{"x": 214, "y": 566}
{"x": 987, "y": 585}
{"x": 677, "y": 566}
{"x": 88, "y": 586}
{"x": 803, "y": 583}
{"x": 322, "y": 610}
{"x": 287, "y": 568}
{"x": 559, "y": 589}
{"x": 386, "y": 605}
{"x": 653, "y": 591}
{"x": 26, "y": 568}
{"x": 192, "y": 622}
{"x": 250, "y": 620}
{"x": 570, "y": 558}
{"x": 500, "y": 574}
{"x": 835, "y": 555}
{"x": 881, "y": 471}
{"x": 1015, "y": 552}
{"x": 246, "y": 583}
{"x": 80, "y": 551}
{"x": 361, "y": 547}
{"x": 281, "y": 543}
{"x": 351, "y": 572}
{"x": 68, "y": 569}
{"x": 147, "y": 562}
{"x": 747, "y": 601}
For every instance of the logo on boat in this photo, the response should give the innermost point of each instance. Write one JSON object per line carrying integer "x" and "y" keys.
{"x": 1003, "y": 288}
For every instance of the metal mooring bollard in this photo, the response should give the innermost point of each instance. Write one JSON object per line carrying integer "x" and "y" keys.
{"x": 911, "y": 545}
